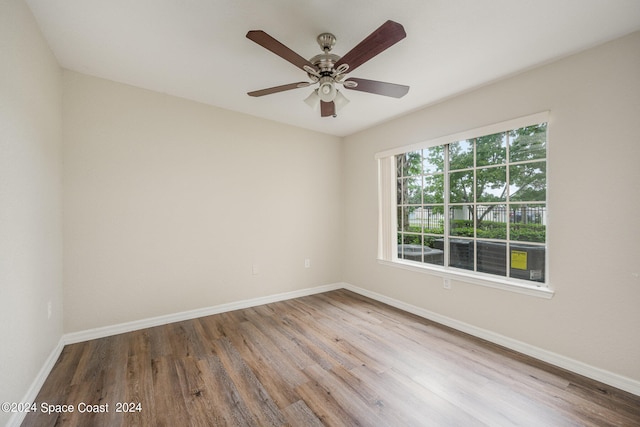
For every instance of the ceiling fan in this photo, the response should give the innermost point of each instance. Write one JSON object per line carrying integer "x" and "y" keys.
{"x": 329, "y": 70}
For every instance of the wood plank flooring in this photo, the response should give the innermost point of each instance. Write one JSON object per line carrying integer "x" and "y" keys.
{"x": 329, "y": 359}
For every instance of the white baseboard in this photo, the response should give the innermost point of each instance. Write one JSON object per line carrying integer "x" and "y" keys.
{"x": 606, "y": 377}
{"x": 90, "y": 334}
{"x": 17, "y": 417}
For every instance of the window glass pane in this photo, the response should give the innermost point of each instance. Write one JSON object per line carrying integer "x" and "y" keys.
{"x": 491, "y": 184}
{"x": 433, "y": 191}
{"x": 527, "y": 262}
{"x": 461, "y": 187}
{"x": 491, "y": 221}
{"x": 409, "y": 164}
{"x": 528, "y": 222}
{"x": 431, "y": 253}
{"x": 411, "y": 191}
{"x": 461, "y": 253}
{"x": 408, "y": 221}
{"x": 492, "y": 257}
{"x": 410, "y": 247}
{"x": 491, "y": 149}
{"x": 416, "y": 218}
{"x": 400, "y": 159}
{"x": 528, "y": 143}
{"x": 528, "y": 182}
{"x": 461, "y": 221}
{"x": 433, "y": 159}
{"x": 461, "y": 155}
{"x": 433, "y": 219}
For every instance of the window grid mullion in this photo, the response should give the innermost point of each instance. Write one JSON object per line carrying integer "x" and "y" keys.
{"x": 474, "y": 205}
{"x": 447, "y": 220}
{"x": 422, "y": 182}
{"x": 508, "y": 205}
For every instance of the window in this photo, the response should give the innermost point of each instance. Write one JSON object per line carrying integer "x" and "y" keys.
{"x": 473, "y": 202}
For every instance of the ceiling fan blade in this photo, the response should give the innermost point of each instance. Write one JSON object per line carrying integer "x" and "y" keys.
{"x": 268, "y": 42}
{"x": 327, "y": 109}
{"x": 381, "y": 39}
{"x": 379, "y": 88}
{"x": 277, "y": 89}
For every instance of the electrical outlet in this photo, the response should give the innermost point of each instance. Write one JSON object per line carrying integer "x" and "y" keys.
{"x": 307, "y": 263}
{"x": 446, "y": 283}
{"x": 255, "y": 269}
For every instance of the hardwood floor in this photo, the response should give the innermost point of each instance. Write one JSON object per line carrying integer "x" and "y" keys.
{"x": 330, "y": 359}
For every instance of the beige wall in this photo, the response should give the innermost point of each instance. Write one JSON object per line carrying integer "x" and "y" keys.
{"x": 593, "y": 233}
{"x": 169, "y": 204}
{"x": 30, "y": 201}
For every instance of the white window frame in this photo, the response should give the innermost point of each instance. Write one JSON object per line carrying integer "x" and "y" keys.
{"x": 387, "y": 214}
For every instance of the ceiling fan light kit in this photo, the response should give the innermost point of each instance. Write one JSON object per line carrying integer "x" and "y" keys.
{"x": 328, "y": 70}
{"x": 313, "y": 100}
{"x": 340, "y": 100}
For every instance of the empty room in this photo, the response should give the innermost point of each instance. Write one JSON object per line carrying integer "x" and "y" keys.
{"x": 282, "y": 212}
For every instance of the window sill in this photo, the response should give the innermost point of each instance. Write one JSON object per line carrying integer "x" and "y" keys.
{"x": 516, "y": 286}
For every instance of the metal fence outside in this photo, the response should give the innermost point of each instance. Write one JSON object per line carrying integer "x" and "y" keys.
{"x": 427, "y": 217}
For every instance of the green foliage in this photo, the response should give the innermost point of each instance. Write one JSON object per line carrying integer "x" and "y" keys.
{"x": 530, "y": 181}
{"x": 410, "y": 239}
{"x": 462, "y": 231}
{"x": 497, "y": 230}
{"x": 528, "y": 143}
{"x": 528, "y": 232}
{"x": 409, "y": 164}
{"x": 491, "y": 150}
{"x": 433, "y": 191}
{"x": 430, "y": 230}
{"x": 492, "y": 230}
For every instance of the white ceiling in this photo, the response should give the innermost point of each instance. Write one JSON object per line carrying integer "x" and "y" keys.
{"x": 197, "y": 49}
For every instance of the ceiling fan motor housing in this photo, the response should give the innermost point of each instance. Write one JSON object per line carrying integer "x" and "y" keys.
{"x": 324, "y": 62}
